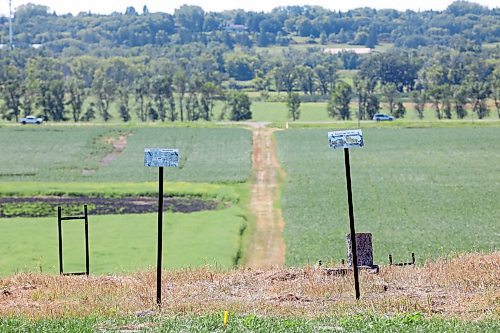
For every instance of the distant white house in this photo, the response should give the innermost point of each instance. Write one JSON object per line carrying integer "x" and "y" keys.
{"x": 357, "y": 50}
{"x": 235, "y": 27}
{"x": 36, "y": 46}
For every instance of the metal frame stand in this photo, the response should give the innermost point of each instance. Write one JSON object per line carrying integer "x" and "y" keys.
{"x": 60, "y": 218}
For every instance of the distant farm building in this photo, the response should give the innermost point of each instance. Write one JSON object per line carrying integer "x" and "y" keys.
{"x": 235, "y": 27}
{"x": 357, "y": 50}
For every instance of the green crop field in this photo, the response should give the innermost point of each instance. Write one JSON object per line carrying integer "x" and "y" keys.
{"x": 66, "y": 161}
{"x": 123, "y": 243}
{"x": 430, "y": 191}
{"x": 61, "y": 153}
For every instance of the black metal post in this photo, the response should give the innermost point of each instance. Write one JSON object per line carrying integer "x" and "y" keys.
{"x": 87, "y": 264}
{"x": 351, "y": 221}
{"x": 59, "y": 216}
{"x": 160, "y": 237}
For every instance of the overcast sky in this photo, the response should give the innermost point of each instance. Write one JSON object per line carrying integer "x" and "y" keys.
{"x": 109, "y": 6}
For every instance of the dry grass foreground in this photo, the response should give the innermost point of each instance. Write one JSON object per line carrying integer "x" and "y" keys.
{"x": 466, "y": 287}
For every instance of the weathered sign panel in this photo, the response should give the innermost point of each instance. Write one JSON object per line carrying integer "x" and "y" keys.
{"x": 160, "y": 157}
{"x": 345, "y": 139}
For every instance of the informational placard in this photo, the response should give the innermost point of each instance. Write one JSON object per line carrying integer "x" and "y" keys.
{"x": 345, "y": 139}
{"x": 159, "y": 157}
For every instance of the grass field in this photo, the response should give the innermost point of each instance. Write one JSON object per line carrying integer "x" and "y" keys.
{"x": 123, "y": 243}
{"x": 316, "y": 112}
{"x": 251, "y": 323}
{"x": 429, "y": 191}
{"x": 66, "y": 160}
{"x": 220, "y": 192}
{"x": 62, "y": 153}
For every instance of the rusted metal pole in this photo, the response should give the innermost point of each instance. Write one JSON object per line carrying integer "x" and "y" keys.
{"x": 351, "y": 221}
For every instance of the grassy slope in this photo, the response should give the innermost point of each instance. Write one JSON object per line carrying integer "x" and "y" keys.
{"x": 428, "y": 191}
{"x": 123, "y": 242}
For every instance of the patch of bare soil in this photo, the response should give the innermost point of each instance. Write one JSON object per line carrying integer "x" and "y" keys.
{"x": 47, "y": 206}
{"x": 465, "y": 287}
{"x": 267, "y": 247}
{"x": 119, "y": 145}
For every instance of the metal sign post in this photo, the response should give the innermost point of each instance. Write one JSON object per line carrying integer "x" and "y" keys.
{"x": 349, "y": 139}
{"x": 160, "y": 236}
{"x": 160, "y": 158}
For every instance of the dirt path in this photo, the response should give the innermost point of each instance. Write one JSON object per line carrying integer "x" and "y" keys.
{"x": 267, "y": 247}
{"x": 119, "y": 145}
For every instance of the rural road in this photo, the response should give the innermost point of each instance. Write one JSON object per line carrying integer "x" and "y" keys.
{"x": 267, "y": 248}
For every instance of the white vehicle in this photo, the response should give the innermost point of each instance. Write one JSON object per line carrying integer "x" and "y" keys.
{"x": 31, "y": 120}
{"x": 382, "y": 117}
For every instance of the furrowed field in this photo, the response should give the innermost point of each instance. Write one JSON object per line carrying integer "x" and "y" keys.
{"x": 430, "y": 191}
{"x": 70, "y": 161}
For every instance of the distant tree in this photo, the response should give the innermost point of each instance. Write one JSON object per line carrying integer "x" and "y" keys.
{"x": 28, "y": 11}
{"x": 161, "y": 90}
{"x": 306, "y": 79}
{"x": 239, "y": 66}
{"x": 368, "y": 102}
{"x": 75, "y": 90}
{"x": 104, "y": 89}
{"x": 400, "y": 110}
{"x": 180, "y": 83}
{"x": 419, "y": 98}
{"x": 45, "y": 81}
{"x": 209, "y": 92}
{"x": 390, "y": 92}
{"x": 192, "y": 106}
{"x": 436, "y": 93}
{"x": 372, "y": 105}
{"x": 460, "y": 96}
{"x": 288, "y": 76}
{"x": 479, "y": 92}
{"x": 338, "y": 104}
{"x": 239, "y": 104}
{"x": 293, "y": 105}
{"x": 447, "y": 105}
{"x": 349, "y": 59}
{"x": 123, "y": 106}
{"x": 190, "y": 17}
{"x": 141, "y": 92}
{"x": 89, "y": 113}
{"x": 131, "y": 11}
{"x": 152, "y": 113}
{"x": 495, "y": 88}
{"x": 327, "y": 76}
{"x": 11, "y": 91}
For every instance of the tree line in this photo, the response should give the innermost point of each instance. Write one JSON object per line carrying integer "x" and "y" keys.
{"x": 187, "y": 87}
{"x": 87, "y": 32}
{"x": 58, "y": 89}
